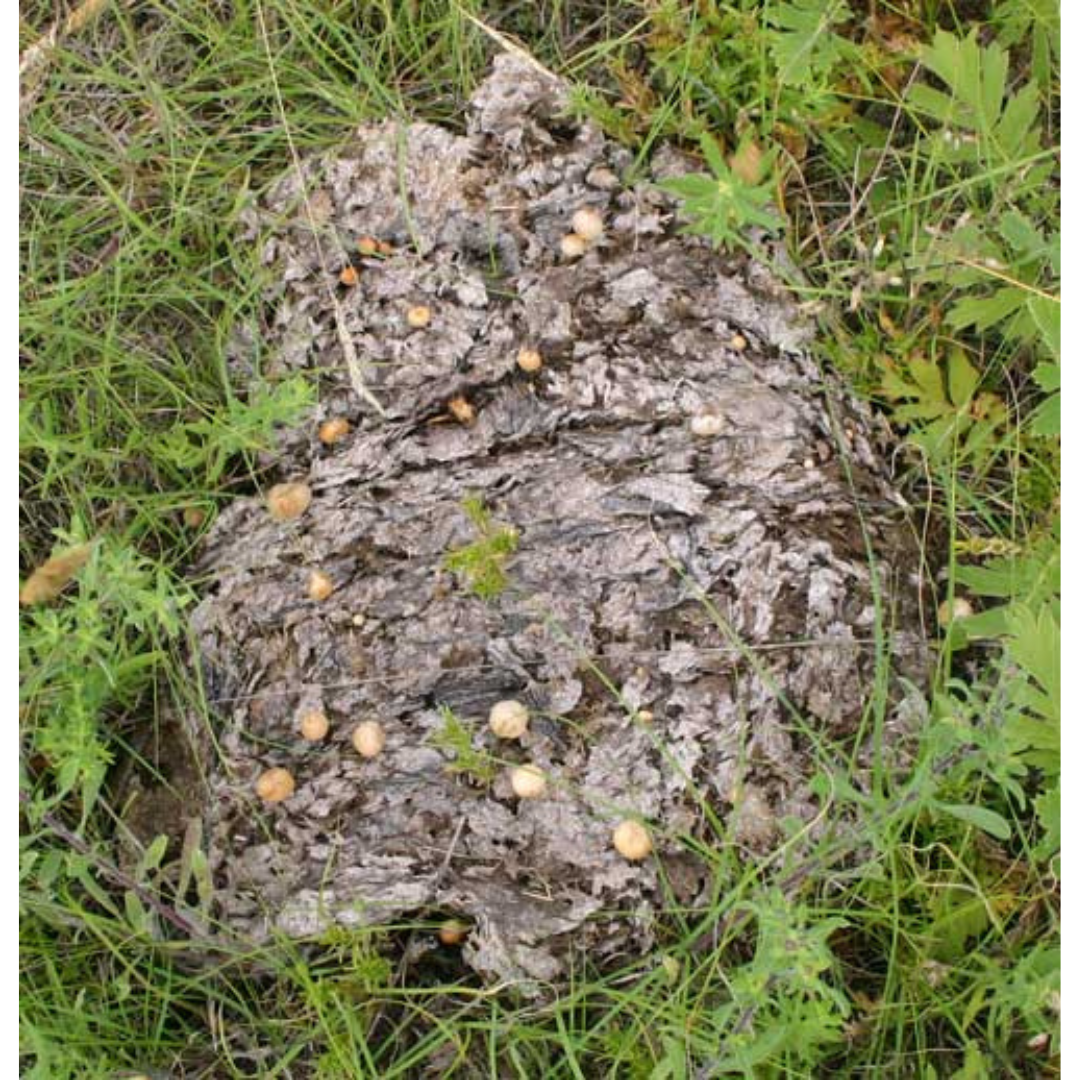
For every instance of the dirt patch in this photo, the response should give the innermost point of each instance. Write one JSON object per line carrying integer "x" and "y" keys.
{"x": 689, "y": 601}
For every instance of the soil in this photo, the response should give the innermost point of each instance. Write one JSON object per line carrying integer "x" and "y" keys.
{"x": 684, "y": 614}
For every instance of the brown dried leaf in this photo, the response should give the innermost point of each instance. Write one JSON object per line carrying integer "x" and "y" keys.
{"x": 49, "y": 579}
{"x": 747, "y": 163}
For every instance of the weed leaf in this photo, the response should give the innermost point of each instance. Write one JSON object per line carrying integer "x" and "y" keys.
{"x": 989, "y": 821}
{"x": 803, "y": 43}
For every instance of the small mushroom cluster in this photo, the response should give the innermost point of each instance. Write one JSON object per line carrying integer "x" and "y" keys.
{"x": 588, "y": 226}
{"x": 508, "y": 720}
{"x": 287, "y": 502}
{"x": 367, "y": 247}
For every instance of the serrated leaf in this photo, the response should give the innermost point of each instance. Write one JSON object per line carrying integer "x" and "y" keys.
{"x": 714, "y": 157}
{"x": 803, "y": 42}
{"x": 1031, "y": 576}
{"x": 933, "y": 102}
{"x": 983, "y": 312}
{"x": 1048, "y": 811}
{"x": 1047, "y": 376}
{"x": 1035, "y": 644}
{"x": 1046, "y": 419}
{"x": 1020, "y": 234}
{"x": 989, "y": 821}
{"x": 927, "y": 377}
{"x": 959, "y": 921}
{"x": 696, "y": 186}
{"x": 1016, "y": 133}
{"x": 974, "y": 74}
{"x": 963, "y": 379}
{"x": 1046, "y": 314}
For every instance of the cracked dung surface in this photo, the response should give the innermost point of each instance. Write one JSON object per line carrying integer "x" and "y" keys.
{"x": 712, "y": 582}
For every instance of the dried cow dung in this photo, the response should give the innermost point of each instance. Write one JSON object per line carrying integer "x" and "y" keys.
{"x": 687, "y": 594}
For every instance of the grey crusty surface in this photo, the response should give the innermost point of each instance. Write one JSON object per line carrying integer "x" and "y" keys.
{"x": 706, "y": 580}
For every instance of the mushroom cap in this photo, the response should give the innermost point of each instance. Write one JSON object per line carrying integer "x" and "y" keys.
{"x": 706, "y": 425}
{"x": 369, "y": 738}
{"x": 314, "y": 725}
{"x": 453, "y": 932}
{"x": 275, "y": 785}
{"x": 509, "y": 719}
{"x": 286, "y": 502}
{"x": 461, "y": 410}
{"x": 631, "y": 840}
{"x": 960, "y": 608}
{"x": 529, "y": 360}
{"x": 320, "y": 585}
{"x": 588, "y": 223}
{"x": 333, "y": 430}
{"x": 528, "y": 782}
{"x": 573, "y": 246}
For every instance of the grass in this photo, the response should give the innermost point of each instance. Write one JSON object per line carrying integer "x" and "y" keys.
{"x": 921, "y": 206}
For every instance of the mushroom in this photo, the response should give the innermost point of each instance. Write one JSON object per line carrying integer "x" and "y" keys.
{"x": 960, "y": 608}
{"x": 528, "y": 782}
{"x": 418, "y": 316}
{"x": 333, "y": 430}
{"x": 509, "y": 719}
{"x": 453, "y": 932}
{"x": 529, "y": 360}
{"x": 588, "y": 223}
{"x": 314, "y": 725}
{"x": 320, "y": 585}
{"x": 287, "y": 502}
{"x": 631, "y": 840}
{"x": 275, "y": 785}
{"x": 369, "y": 738}
{"x": 461, "y": 410}
{"x": 572, "y": 246}
{"x": 706, "y": 425}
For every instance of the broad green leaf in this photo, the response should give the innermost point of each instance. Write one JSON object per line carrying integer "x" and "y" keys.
{"x": 1046, "y": 419}
{"x": 932, "y": 102}
{"x": 963, "y": 379}
{"x": 975, "y": 1066}
{"x": 1047, "y": 376}
{"x": 983, "y": 312}
{"x": 1047, "y": 316}
{"x": 137, "y": 916}
{"x": 989, "y": 821}
{"x": 151, "y": 859}
{"x": 927, "y": 377}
